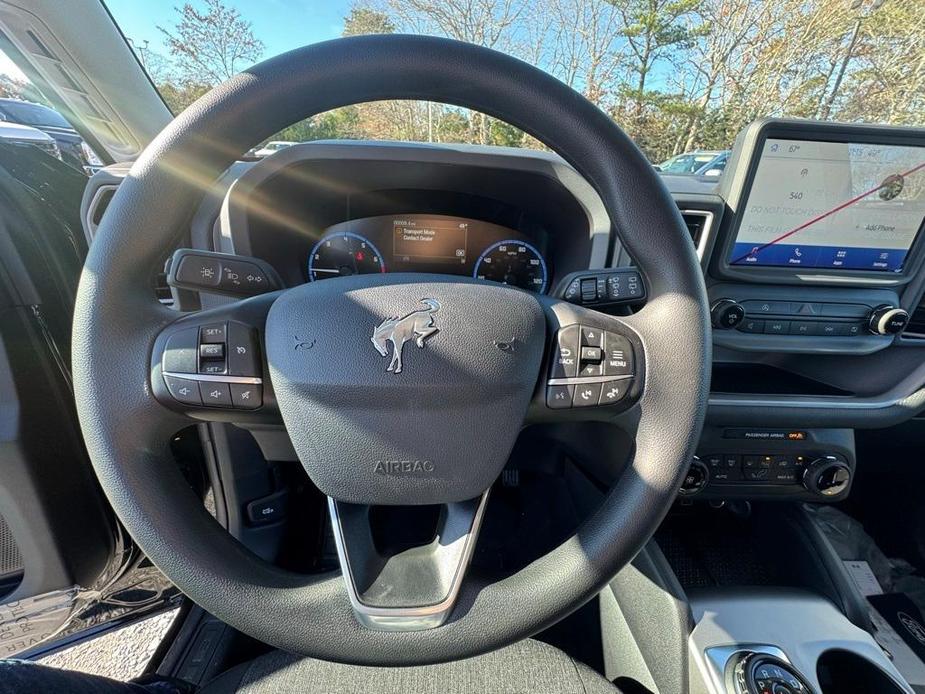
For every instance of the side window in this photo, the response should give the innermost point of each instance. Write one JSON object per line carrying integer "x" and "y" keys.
{"x": 28, "y": 120}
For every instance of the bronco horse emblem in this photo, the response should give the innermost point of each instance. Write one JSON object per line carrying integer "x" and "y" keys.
{"x": 417, "y": 325}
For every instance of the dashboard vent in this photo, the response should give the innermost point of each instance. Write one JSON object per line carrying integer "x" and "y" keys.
{"x": 695, "y": 222}
{"x": 698, "y": 224}
{"x": 97, "y": 208}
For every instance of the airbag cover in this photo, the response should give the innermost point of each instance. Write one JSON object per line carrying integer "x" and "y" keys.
{"x": 437, "y": 427}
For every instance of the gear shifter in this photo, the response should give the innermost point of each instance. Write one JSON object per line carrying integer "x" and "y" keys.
{"x": 757, "y": 673}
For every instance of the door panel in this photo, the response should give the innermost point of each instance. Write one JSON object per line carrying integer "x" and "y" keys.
{"x": 62, "y": 553}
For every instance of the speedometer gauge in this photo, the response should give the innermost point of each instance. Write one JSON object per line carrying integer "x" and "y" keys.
{"x": 513, "y": 262}
{"x": 341, "y": 254}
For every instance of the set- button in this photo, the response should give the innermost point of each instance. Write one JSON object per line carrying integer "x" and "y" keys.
{"x": 590, "y": 367}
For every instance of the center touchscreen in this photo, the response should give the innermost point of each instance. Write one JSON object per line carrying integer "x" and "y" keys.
{"x": 832, "y": 205}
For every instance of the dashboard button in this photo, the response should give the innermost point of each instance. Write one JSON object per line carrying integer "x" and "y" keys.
{"x": 834, "y": 329}
{"x": 776, "y": 327}
{"x": 180, "y": 352}
{"x": 587, "y": 395}
{"x": 215, "y": 394}
{"x": 777, "y": 308}
{"x": 618, "y": 355}
{"x": 613, "y": 391}
{"x": 806, "y": 309}
{"x": 845, "y": 310}
{"x": 804, "y": 327}
{"x": 559, "y": 397}
{"x": 243, "y": 359}
{"x": 752, "y": 325}
{"x": 856, "y": 329}
{"x": 246, "y": 396}
{"x": 183, "y": 390}
{"x": 565, "y": 358}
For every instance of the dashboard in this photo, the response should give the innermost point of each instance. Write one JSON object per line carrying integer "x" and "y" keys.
{"x": 811, "y": 245}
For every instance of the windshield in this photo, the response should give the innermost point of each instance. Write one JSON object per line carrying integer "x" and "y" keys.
{"x": 679, "y": 76}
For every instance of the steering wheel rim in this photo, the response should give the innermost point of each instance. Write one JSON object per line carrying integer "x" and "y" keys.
{"x": 117, "y": 321}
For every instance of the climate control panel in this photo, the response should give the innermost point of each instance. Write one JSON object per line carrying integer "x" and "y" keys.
{"x": 772, "y": 463}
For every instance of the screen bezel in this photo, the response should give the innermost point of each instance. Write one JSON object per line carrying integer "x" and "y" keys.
{"x": 745, "y": 159}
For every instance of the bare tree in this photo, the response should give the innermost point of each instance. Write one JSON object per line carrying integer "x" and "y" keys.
{"x": 211, "y": 44}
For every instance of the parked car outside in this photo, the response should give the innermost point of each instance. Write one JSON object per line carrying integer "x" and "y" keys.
{"x": 74, "y": 150}
{"x": 272, "y": 147}
{"x": 25, "y": 136}
{"x": 688, "y": 162}
{"x": 715, "y": 167}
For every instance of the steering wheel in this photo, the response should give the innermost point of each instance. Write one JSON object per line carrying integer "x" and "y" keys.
{"x": 477, "y": 360}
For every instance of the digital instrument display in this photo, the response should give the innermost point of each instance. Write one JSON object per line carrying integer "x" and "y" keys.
{"x": 832, "y": 205}
{"x": 429, "y": 243}
{"x": 430, "y": 239}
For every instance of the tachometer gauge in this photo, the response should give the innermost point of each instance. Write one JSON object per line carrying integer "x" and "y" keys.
{"x": 343, "y": 253}
{"x": 513, "y": 262}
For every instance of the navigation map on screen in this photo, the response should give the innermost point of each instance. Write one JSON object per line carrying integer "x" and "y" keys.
{"x": 832, "y": 205}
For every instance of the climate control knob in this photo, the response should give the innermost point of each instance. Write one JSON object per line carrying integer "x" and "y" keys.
{"x": 727, "y": 314}
{"x": 827, "y": 476}
{"x": 887, "y": 320}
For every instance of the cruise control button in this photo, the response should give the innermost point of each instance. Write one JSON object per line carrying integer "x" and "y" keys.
{"x": 243, "y": 359}
{"x": 183, "y": 390}
{"x": 215, "y": 394}
{"x": 246, "y": 396}
{"x": 618, "y": 355}
{"x": 565, "y": 359}
{"x": 587, "y": 395}
{"x": 214, "y": 332}
{"x": 212, "y": 367}
{"x": 212, "y": 351}
{"x": 559, "y": 397}
{"x": 613, "y": 391}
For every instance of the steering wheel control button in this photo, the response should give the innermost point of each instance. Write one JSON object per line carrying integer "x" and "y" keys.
{"x": 559, "y": 397}
{"x": 592, "y": 354}
{"x": 215, "y": 394}
{"x": 180, "y": 352}
{"x": 565, "y": 359}
{"x": 212, "y": 367}
{"x": 212, "y": 351}
{"x": 612, "y": 392}
{"x": 587, "y": 395}
{"x": 592, "y": 337}
{"x": 623, "y": 286}
{"x": 183, "y": 390}
{"x": 243, "y": 359}
{"x": 246, "y": 396}
{"x": 199, "y": 270}
{"x": 618, "y": 355}
{"x": 212, "y": 333}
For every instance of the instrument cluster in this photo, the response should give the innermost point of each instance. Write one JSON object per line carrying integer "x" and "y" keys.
{"x": 430, "y": 243}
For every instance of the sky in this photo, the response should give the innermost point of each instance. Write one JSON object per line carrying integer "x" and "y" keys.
{"x": 281, "y": 24}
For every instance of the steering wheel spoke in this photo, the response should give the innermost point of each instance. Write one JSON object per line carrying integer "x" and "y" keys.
{"x": 401, "y": 581}
{"x": 595, "y": 366}
{"x": 211, "y": 365}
